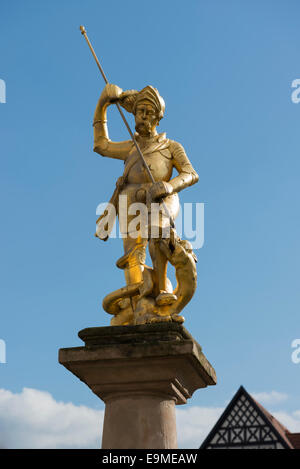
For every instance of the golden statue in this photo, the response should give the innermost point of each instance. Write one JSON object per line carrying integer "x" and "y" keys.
{"x": 149, "y": 159}
{"x": 148, "y": 295}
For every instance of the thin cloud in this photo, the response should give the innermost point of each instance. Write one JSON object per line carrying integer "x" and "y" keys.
{"x": 290, "y": 421}
{"x": 269, "y": 398}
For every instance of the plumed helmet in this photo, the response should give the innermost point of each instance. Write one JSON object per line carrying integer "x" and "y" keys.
{"x": 130, "y": 99}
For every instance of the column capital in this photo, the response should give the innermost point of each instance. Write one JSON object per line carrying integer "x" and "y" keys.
{"x": 161, "y": 360}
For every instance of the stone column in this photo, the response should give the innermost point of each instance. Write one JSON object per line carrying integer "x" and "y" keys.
{"x": 140, "y": 372}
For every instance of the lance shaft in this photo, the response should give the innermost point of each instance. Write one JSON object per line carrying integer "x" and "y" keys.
{"x": 83, "y": 32}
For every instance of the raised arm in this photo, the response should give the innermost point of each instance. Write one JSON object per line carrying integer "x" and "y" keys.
{"x": 102, "y": 144}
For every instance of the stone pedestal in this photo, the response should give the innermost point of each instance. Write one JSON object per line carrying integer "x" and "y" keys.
{"x": 140, "y": 372}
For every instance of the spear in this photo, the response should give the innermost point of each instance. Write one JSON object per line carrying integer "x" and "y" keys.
{"x": 83, "y": 32}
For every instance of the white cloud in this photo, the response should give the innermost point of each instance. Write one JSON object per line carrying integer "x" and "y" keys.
{"x": 290, "y": 421}
{"x": 194, "y": 424}
{"x": 33, "y": 419}
{"x": 269, "y": 398}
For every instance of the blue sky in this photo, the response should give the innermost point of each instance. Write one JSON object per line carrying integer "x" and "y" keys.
{"x": 225, "y": 70}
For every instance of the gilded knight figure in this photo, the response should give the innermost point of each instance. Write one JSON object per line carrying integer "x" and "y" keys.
{"x": 148, "y": 295}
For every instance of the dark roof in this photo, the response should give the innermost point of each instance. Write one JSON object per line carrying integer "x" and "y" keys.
{"x": 283, "y": 431}
{"x": 288, "y": 440}
{"x": 294, "y": 439}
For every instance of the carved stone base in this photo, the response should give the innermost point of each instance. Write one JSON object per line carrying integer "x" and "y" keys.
{"x": 140, "y": 372}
